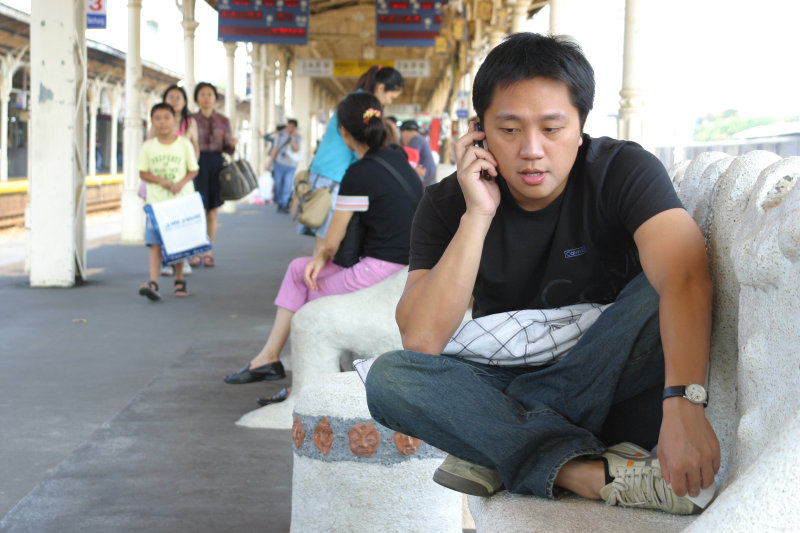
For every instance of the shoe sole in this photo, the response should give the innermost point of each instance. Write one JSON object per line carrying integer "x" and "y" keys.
{"x": 265, "y": 378}
{"x": 150, "y": 293}
{"x": 459, "y": 484}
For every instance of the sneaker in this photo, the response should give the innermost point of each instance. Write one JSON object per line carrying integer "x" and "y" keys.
{"x": 168, "y": 271}
{"x": 469, "y": 478}
{"x": 634, "y": 480}
{"x": 187, "y": 268}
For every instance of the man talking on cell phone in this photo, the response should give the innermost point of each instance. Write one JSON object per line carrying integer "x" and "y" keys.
{"x": 590, "y": 331}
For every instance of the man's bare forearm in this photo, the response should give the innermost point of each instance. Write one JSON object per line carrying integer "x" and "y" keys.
{"x": 434, "y": 301}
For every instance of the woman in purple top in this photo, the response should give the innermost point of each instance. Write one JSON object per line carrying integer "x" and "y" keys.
{"x": 214, "y": 137}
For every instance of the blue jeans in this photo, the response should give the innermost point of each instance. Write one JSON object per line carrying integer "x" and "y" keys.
{"x": 284, "y": 183}
{"x": 528, "y": 421}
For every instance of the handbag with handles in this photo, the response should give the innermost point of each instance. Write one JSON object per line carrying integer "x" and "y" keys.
{"x": 236, "y": 180}
{"x": 352, "y": 246}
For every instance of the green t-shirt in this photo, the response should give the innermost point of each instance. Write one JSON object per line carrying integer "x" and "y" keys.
{"x": 169, "y": 161}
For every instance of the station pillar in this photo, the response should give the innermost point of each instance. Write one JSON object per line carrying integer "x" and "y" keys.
{"x": 630, "y": 126}
{"x": 132, "y": 213}
{"x": 57, "y": 188}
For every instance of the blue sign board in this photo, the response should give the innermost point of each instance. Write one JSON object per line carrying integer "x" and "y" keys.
{"x": 408, "y": 22}
{"x": 263, "y": 21}
{"x": 95, "y": 21}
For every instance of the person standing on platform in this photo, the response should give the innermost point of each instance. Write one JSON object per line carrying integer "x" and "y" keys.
{"x": 186, "y": 127}
{"x": 409, "y": 133}
{"x": 283, "y": 162}
{"x": 167, "y": 165}
{"x": 215, "y": 137}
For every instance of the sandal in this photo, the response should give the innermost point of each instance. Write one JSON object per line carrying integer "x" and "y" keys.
{"x": 180, "y": 288}
{"x": 196, "y": 261}
{"x": 150, "y": 289}
{"x": 277, "y": 398}
{"x": 208, "y": 261}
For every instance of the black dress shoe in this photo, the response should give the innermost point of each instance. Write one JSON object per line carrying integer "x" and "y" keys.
{"x": 277, "y": 398}
{"x": 268, "y": 372}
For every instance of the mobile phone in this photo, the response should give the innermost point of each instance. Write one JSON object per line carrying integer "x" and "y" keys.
{"x": 482, "y": 144}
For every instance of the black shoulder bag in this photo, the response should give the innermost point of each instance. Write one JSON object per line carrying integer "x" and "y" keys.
{"x": 352, "y": 245}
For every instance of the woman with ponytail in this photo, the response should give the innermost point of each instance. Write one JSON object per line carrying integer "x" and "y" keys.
{"x": 332, "y": 157}
{"x": 383, "y": 200}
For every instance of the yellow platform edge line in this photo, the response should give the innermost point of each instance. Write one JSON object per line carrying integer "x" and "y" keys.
{"x": 17, "y": 186}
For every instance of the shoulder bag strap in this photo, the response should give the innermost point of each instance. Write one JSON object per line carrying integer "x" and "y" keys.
{"x": 393, "y": 171}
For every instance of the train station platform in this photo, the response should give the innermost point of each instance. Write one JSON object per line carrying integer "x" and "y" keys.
{"x": 113, "y": 413}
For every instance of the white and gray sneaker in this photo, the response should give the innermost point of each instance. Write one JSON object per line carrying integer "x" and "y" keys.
{"x": 634, "y": 476}
{"x": 468, "y": 478}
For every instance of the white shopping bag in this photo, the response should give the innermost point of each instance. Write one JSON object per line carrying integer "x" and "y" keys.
{"x": 181, "y": 222}
{"x": 265, "y": 184}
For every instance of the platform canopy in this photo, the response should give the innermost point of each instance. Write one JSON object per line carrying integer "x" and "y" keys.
{"x": 346, "y": 30}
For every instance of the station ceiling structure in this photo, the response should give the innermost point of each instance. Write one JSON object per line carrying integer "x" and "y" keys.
{"x": 346, "y": 30}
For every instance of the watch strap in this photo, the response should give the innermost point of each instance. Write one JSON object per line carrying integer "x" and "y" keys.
{"x": 680, "y": 390}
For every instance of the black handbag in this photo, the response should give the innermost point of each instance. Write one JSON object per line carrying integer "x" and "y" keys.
{"x": 236, "y": 180}
{"x": 352, "y": 246}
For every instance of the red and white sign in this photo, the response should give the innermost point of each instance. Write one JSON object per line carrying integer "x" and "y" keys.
{"x": 96, "y": 13}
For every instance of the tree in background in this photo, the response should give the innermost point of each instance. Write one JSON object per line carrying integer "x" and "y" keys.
{"x": 721, "y": 126}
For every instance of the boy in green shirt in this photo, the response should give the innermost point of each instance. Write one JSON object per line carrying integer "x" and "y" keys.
{"x": 167, "y": 164}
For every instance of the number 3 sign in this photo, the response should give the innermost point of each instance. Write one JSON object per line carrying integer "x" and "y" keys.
{"x": 95, "y": 13}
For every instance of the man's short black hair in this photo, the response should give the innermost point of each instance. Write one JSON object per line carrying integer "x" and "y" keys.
{"x": 523, "y": 56}
{"x": 292, "y": 121}
{"x": 409, "y": 125}
{"x": 162, "y": 105}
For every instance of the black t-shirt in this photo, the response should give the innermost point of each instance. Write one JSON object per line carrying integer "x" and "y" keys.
{"x": 386, "y": 209}
{"x": 578, "y": 249}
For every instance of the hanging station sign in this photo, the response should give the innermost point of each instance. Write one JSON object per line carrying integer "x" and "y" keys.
{"x": 263, "y": 21}
{"x": 96, "y": 14}
{"x": 408, "y": 22}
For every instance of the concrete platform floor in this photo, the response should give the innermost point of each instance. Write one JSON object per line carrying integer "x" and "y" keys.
{"x": 113, "y": 413}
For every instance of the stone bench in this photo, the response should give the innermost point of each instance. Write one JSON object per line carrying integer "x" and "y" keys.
{"x": 749, "y": 211}
{"x": 329, "y": 330}
{"x": 352, "y": 474}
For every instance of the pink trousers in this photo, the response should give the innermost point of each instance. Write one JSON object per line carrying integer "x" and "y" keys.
{"x": 332, "y": 280}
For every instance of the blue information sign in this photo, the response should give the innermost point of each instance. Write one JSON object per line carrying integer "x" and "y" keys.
{"x": 95, "y": 21}
{"x": 408, "y": 22}
{"x": 264, "y": 21}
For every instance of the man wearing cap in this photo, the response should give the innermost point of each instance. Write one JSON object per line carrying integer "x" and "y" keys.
{"x": 409, "y": 133}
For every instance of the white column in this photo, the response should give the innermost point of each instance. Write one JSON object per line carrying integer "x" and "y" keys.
{"x": 132, "y": 214}
{"x": 230, "y": 94}
{"x": 229, "y": 206}
{"x": 262, "y": 94}
{"x": 556, "y": 17}
{"x": 301, "y": 102}
{"x": 254, "y": 152}
{"x": 116, "y": 103}
{"x": 189, "y": 26}
{"x": 58, "y": 122}
{"x": 263, "y": 116}
{"x": 282, "y": 76}
{"x": 632, "y": 102}
{"x": 269, "y": 93}
{"x": 8, "y": 66}
{"x": 519, "y": 14}
{"x": 94, "y": 101}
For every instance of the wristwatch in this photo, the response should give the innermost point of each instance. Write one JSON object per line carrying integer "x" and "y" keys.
{"x": 693, "y": 392}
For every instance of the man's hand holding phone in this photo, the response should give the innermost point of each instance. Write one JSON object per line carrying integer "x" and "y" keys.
{"x": 477, "y": 169}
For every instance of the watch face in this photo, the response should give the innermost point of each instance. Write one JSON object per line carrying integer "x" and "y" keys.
{"x": 696, "y": 393}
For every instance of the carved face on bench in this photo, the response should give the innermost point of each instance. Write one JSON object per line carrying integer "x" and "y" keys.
{"x": 406, "y": 444}
{"x": 323, "y": 436}
{"x": 298, "y": 432}
{"x": 364, "y": 439}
